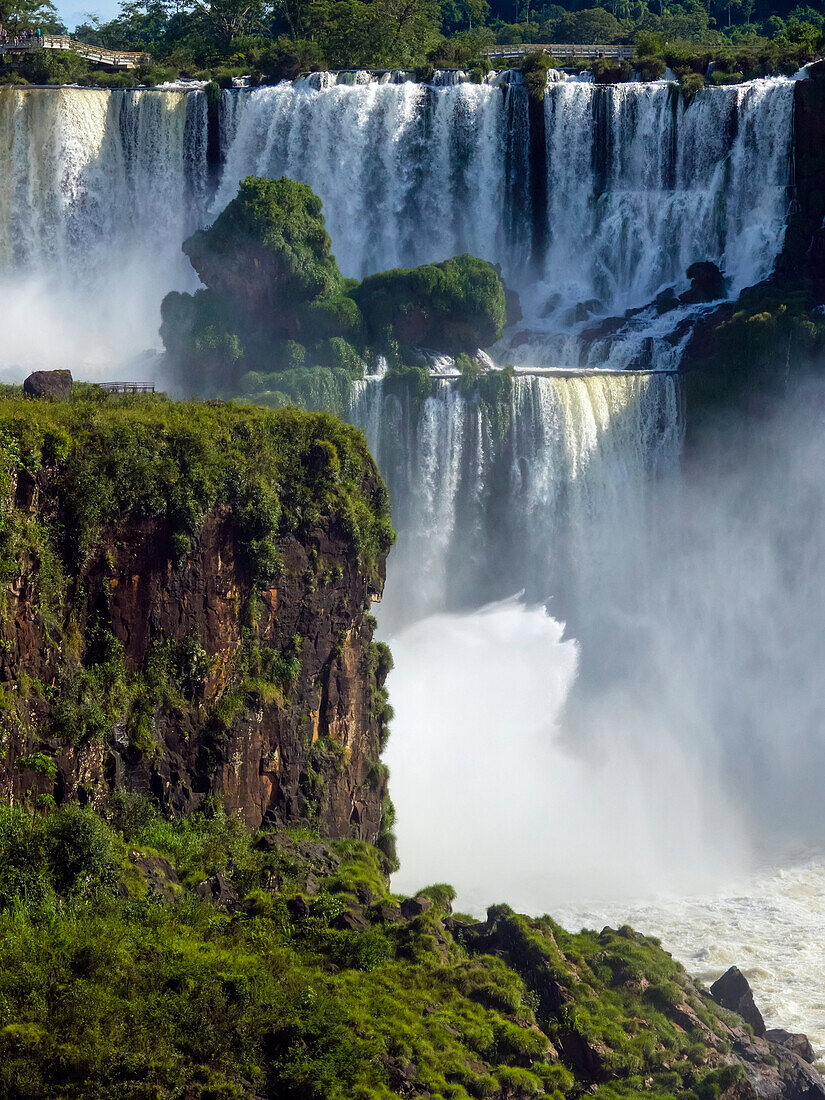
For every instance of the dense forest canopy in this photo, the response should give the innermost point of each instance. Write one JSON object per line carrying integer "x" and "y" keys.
{"x": 278, "y": 38}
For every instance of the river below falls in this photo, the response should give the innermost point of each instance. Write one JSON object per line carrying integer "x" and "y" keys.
{"x": 770, "y": 924}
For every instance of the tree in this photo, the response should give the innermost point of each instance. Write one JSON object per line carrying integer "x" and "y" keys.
{"x": 592, "y": 25}
{"x": 40, "y": 765}
{"x": 461, "y": 15}
{"x": 20, "y": 15}
{"x": 227, "y": 20}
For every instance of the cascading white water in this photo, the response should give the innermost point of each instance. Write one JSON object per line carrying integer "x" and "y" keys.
{"x": 549, "y": 490}
{"x": 407, "y": 174}
{"x": 641, "y": 186}
{"x": 532, "y": 505}
{"x": 99, "y": 190}
{"x": 636, "y": 187}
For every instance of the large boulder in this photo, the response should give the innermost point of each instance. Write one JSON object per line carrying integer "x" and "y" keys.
{"x": 733, "y": 992}
{"x": 707, "y": 284}
{"x": 218, "y": 891}
{"x": 160, "y": 876}
{"x": 797, "y": 1042}
{"x": 415, "y": 907}
{"x": 56, "y": 384}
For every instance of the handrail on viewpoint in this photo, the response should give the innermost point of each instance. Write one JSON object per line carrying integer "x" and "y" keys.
{"x": 98, "y": 55}
{"x": 128, "y": 387}
{"x": 562, "y": 50}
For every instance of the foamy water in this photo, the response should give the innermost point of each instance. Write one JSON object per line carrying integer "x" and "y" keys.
{"x": 491, "y": 798}
{"x": 772, "y": 926}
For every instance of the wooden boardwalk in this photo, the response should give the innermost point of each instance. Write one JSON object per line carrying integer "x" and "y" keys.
{"x": 560, "y": 50}
{"x": 98, "y": 55}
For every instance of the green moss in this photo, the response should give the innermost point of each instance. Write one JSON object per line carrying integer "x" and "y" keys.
{"x": 276, "y": 311}
{"x": 534, "y": 69}
{"x": 281, "y": 997}
{"x": 454, "y": 306}
{"x": 178, "y": 462}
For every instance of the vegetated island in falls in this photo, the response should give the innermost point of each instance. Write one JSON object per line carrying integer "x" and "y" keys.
{"x": 195, "y": 845}
{"x": 278, "y": 323}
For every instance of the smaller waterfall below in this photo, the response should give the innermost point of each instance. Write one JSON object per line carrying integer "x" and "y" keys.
{"x": 525, "y": 490}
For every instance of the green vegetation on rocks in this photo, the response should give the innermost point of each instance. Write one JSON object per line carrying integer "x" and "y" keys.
{"x": 109, "y": 458}
{"x": 454, "y": 306}
{"x": 79, "y": 477}
{"x": 278, "y": 322}
{"x": 142, "y": 957}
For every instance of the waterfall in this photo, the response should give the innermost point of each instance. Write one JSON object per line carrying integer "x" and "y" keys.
{"x": 100, "y": 189}
{"x": 523, "y": 492}
{"x": 407, "y": 173}
{"x": 634, "y": 186}
{"x": 590, "y": 205}
{"x": 641, "y": 186}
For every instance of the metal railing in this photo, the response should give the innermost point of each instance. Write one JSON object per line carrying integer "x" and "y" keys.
{"x": 128, "y": 387}
{"x": 99, "y": 55}
{"x": 561, "y": 50}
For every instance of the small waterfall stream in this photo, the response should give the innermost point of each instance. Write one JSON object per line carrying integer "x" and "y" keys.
{"x": 525, "y": 494}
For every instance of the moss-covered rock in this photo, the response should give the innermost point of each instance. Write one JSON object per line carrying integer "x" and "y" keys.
{"x": 275, "y": 301}
{"x": 185, "y": 594}
{"x": 454, "y": 306}
{"x": 213, "y": 962}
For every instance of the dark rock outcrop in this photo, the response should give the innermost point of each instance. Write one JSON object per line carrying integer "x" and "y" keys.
{"x": 794, "y": 1041}
{"x": 733, "y": 992}
{"x": 269, "y": 758}
{"x": 707, "y": 284}
{"x": 160, "y": 876}
{"x": 56, "y": 384}
{"x": 415, "y": 907}
{"x": 272, "y": 694}
{"x": 217, "y": 890}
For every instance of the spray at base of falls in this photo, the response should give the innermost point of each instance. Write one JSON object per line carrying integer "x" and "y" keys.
{"x": 663, "y": 765}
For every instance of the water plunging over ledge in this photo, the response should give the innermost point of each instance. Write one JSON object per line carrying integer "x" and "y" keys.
{"x": 591, "y": 204}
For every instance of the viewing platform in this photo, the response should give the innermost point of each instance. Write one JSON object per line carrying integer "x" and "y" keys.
{"x": 560, "y": 51}
{"x": 128, "y": 387}
{"x": 98, "y": 55}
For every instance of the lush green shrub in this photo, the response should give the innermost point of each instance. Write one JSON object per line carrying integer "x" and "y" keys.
{"x": 719, "y": 77}
{"x": 534, "y": 69}
{"x": 275, "y": 301}
{"x": 456, "y": 306}
{"x": 611, "y": 70}
{"x": 691, "y": 84}
{"x": 650, "y": 68}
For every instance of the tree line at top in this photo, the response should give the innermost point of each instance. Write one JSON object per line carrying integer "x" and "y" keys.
{"x": 279, "y": 38}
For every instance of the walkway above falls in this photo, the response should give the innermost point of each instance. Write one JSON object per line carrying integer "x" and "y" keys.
{"x": 560, "y": 50}
{"x": 98, "y": 55}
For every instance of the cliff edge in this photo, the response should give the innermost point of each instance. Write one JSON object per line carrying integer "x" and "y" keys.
{"x": 186, "y": 610}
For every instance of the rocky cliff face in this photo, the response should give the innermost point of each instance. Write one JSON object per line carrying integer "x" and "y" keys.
{"x": 180, "y": 675}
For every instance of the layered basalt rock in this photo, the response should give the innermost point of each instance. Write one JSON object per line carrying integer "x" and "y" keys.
{"x": 181, "y": 674}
